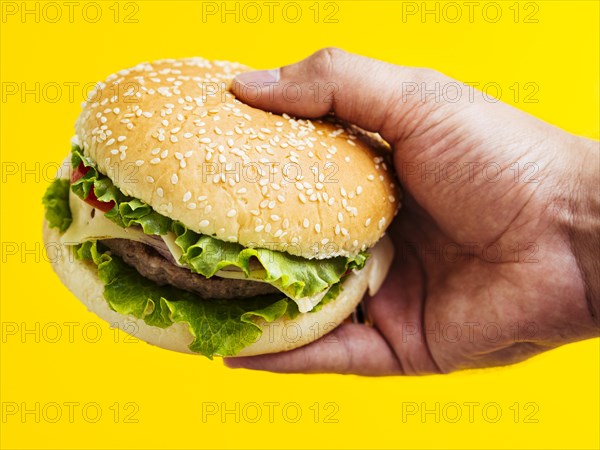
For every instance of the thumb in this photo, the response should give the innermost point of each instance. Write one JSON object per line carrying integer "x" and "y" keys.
{"x": 357, "y": 89}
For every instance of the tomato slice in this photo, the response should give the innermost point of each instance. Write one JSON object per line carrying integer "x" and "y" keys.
{"x": 79, "y": 172}
{"x": 102, "y": 206}
{"x": 91, "y": 199}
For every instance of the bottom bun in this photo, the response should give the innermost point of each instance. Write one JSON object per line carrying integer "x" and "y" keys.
{"x": 82, "y": 280}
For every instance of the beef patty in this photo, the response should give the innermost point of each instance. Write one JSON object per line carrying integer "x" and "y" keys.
{"x": 151, "y": 264}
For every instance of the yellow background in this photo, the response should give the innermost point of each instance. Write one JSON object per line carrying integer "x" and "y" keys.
{"x": 559, "y": 53}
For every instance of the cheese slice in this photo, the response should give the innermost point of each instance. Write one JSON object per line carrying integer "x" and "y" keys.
{"x": 89, "y": 223}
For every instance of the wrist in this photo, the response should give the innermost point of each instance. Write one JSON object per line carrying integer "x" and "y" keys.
{"x": 584, "y": 227}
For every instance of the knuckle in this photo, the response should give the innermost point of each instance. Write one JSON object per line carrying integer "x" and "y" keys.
{"x": 326, "y": 61}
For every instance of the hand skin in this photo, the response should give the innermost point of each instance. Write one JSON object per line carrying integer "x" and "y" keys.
{"x": 459, "y": 306}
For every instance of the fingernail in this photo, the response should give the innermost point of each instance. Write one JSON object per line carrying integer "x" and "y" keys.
{"x": 259, "y": 77}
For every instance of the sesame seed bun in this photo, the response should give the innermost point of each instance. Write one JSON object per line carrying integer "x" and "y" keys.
{"x": 172, "y": 134}
{"x": 81, "y": 278}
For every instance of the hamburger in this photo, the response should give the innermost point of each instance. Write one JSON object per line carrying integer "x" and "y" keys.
{"x": 200, "y": 224}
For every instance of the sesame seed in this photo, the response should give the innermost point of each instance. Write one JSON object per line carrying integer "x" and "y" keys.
{"x": 111, "y": 141}
{"x": 139, "y": 162}
{"x": 191, "y": 206}
{"x": 121, "y": 138}
{"x": 259, "y": 228}
{"x": 174, "y": 178}
{"x": 149, "y": 179}
{"x": 204, "y": 223}
{"x": 154, "y": 160}
{"x": 160, "y": 192}
{"x": 340, "y": 217}
{"x": 114, "y": 151}
{"x": 306, "y": 223}
{"x": 318, "y": 227}
{"x": 231, "y": 213}
{"x": 187, "y": 196}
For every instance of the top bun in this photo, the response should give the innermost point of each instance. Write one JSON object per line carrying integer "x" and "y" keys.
{"x": 172, "y": 134}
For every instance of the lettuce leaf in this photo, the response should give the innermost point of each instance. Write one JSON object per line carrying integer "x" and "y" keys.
{"x": 56, "y": 203}
{"x": 295, "y": 276}
{"x": 219, "y": 327}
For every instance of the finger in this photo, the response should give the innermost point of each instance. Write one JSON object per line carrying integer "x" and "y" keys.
{"x": 350, "y": 348}
{"x": 360, "y": 90}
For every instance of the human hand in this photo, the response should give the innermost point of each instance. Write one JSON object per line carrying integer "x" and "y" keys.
{"x": 497, "y": 239}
